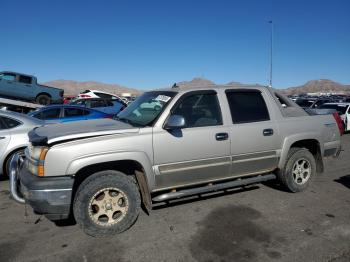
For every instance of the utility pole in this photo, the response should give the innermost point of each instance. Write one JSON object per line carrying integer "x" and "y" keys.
{"x": 271, "y": 51}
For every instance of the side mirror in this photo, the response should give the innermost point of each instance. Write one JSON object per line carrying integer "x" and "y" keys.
{"x": 175, "y": 122}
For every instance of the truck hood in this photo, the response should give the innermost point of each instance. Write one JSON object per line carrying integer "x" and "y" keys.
{"x": 61, "y": 132}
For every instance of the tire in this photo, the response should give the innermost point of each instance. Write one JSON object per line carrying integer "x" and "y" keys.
{"x": 43, "y": 99}
{"x": 304, "y": 165}
{"x": 106, "y": 203}
{"x": 7, "y": 164}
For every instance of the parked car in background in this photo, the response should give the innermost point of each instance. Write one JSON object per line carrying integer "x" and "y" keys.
{"x": 305, "y": 102}
{"x": 97, "y": 94}
{"x": 68, "y": 99}
{"x": 14, "y": 128}
{"x": 343, "y": 111}
{"x": 108, "y": 106}
{"x": 25, "y": 87}
{"x": 67, "y": 113}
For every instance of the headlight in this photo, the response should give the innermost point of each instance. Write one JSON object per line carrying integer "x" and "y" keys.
{"x": 36, "y": 160}
{"x": 38, "y": 152}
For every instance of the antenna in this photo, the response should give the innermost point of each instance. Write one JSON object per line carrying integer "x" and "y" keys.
{"x": 271, "y": 51}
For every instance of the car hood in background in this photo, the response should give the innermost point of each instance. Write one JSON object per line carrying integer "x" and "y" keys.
{"x": 76, "y": 130}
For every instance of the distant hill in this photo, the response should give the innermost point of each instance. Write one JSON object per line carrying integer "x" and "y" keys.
{"x": 74, "y": 87}
{"x": 197, "y": 81}
{"x": 322, "y": 85}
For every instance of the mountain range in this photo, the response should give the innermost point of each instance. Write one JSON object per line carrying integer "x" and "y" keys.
{"x": 74, "y": 87}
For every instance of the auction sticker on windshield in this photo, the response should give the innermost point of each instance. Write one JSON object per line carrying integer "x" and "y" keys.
{"x": 163, "y": 98}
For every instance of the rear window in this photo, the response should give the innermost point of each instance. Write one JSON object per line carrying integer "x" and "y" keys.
{"x": 9, "y": 123}
{"x": 247, "y": 106}
{"x": 102, "y": 95}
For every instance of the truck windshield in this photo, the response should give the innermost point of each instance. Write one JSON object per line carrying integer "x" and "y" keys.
{"x": 146, "y": 108}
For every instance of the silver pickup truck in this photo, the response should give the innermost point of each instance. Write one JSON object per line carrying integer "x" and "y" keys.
{"x": 166, "y": 145}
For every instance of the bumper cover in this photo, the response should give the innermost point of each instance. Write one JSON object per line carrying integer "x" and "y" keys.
{"x": 49, "y": 196}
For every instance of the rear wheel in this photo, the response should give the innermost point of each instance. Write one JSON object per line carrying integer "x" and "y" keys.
{"x": 43, "y": 99}
{"x": 107, "y": 203}
{"x": 299, "y": 170}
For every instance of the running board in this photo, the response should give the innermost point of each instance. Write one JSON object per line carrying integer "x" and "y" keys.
{"x": 205, "y": 189}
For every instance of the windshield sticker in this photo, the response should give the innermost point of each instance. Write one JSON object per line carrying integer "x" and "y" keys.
{"x": 163, "y": 98}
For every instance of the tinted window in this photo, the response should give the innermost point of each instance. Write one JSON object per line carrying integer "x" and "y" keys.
{"x": 199, "y": 110}
{"x": 304, "y": 102}
{"x": 52, "y": 113}
{"x": 102, "y": 95}
{"x": 73, "y": 112}
{"x": 10, "y": 123}
{"x": 25, "y": 79}
{"x": 9, "y": 77}
{"x": 2, "y": 125}
{"x": 97, "y": 103}
{"x": 247, "y": 106}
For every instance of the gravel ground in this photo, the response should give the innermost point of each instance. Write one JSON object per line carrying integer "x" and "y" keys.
{"x": 259, "y": 223}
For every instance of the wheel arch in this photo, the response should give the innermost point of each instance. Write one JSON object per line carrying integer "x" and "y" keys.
{"x": 8, "y": 156}
{"x": 43, "y": 93}
{"x": 312, "y": 143}
{"x": 140, "y": 170}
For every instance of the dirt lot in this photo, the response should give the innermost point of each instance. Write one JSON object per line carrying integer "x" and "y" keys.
{"x": 260, "y": 223}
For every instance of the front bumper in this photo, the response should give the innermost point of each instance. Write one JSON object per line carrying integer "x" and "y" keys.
{"x": 49, "y": 196}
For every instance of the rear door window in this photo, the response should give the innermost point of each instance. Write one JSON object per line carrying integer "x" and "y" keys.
{"x": 73, "y": 112}
{"x": 97, "y": 103}
{"x": 25, "y": 79}
{"x": 52, "y": 113}
{"x": 247, "y": 106}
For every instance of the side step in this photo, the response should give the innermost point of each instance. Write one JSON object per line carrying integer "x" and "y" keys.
{"x": 215, "y": 187}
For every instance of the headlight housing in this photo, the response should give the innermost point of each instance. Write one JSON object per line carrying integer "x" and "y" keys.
{"x": 36, "y": 159}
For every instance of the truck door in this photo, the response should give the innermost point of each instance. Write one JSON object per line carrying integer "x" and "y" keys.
{"x": 254, "y": 135}
{"x": 25, "y": 87}
{"x": 198, "y": 153}
{"x": 7, "y": 83}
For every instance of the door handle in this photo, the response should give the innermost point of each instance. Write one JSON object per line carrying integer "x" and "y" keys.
{"x": 268, "y": 132}
{"x": 221, "y": 136}
{"x": 2, "y": 137}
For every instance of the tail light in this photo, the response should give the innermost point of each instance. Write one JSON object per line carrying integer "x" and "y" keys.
{"x": 340, "y": 123}
{"x": 108, "y": 116}
{"x": 84, "y": 96}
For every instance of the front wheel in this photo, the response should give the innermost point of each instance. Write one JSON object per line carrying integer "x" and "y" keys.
{"x": 299, "y": 170}
{"x": 107, "y": 203}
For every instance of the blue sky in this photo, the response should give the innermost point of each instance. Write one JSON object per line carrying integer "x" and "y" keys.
{"x": 152, "y": 44}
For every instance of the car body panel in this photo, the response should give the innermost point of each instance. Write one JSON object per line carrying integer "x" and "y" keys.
{"x": 17, "y": 137}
